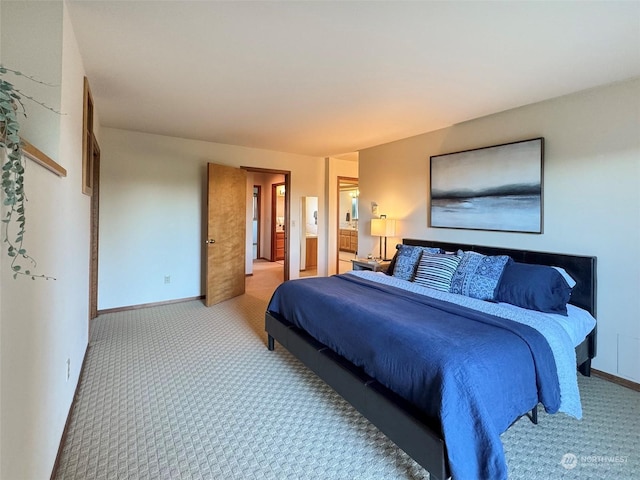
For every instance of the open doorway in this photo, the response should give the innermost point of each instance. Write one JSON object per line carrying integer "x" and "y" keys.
{"x": 256, "y": 217}
{"x": 229, "y": 226}
{"x": 309, "y": 236}
{"x": 347, "y": 241}
{"x": 268, "y": 238}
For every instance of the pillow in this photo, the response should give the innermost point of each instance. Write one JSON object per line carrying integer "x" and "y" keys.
{"x": 536, "y": 287}
{"x": 478, "y": 275}
{"x": 407, "y": 259}
{"x": 570, "y": 281}
{"x": 435, "y": 270}
{"x": 408, "y": 266}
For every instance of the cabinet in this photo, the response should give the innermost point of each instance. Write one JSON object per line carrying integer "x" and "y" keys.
{"x": 279, "y": 246}
{"x": 348, "y": 240}
{"x": 345, "y": 241}
{"x": 311, "y": 257}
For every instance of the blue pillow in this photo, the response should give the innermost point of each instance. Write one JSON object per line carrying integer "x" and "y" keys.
{"x": 478, "y": 275}
{"x": 406, "y": 261}
{"x": 536, "y": 287}
{"x": 435, "y": 270}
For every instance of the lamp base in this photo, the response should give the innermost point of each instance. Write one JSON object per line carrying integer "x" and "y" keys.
{"x": 384, "y": 259}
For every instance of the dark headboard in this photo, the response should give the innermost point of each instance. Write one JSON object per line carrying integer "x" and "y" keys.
{"x": 581, "y": 268}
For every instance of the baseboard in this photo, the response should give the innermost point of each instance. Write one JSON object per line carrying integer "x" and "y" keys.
{"x": 56, "y": 464}
{"x": 615, "y": 379}
{"x": 147, "y": 305}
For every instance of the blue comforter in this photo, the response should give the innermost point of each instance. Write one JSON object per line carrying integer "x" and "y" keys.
{"x": 473, "y": 373}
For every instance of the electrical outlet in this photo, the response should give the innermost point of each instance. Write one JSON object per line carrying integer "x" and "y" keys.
{"x": 68, "y": 369}
{"x": 167, "y": 279}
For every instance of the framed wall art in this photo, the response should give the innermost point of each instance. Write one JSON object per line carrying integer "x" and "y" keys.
{"x": 491, "y": 188}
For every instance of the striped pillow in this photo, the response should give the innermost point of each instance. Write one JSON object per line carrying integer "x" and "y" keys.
{"x": 436, "y": 270}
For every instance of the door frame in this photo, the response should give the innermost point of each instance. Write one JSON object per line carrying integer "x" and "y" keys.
{"x": 287, "y": 209}
{"x": 274, "y": 211}
{"x": 258, "y": 195}
{"x": 94, "y": 229}
{"x": 352, "y": 180}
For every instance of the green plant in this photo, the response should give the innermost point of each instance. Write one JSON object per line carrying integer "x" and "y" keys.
{"x": 13, "y": 171}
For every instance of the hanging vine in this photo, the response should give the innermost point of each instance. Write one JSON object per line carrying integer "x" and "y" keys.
{"x": 13, "y": 170}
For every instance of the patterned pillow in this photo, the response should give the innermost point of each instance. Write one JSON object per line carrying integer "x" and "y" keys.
{"x": 478, "y": 275}
{"x": 435, "y": 270}
{"x": 406, "y": 261}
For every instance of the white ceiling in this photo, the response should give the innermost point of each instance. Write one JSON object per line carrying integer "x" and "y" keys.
{"x": 326, "y": 78}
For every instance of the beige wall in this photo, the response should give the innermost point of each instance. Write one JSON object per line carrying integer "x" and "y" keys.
{"x": 45, "y": 323}
{"x": 152, "y": 205}
{"x": 591, "y": 196}
{"x": 31, "y": 43}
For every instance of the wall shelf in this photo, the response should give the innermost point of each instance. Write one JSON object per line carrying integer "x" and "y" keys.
{"x": 41, "y": 158}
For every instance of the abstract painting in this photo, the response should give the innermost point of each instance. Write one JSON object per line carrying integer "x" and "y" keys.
{"x": 490, "y": 188}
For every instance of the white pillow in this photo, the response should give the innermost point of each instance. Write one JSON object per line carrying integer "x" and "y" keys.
{"x": 568, "y": 278}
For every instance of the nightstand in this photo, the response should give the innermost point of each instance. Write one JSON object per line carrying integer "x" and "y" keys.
{"x": 366, "y": 264}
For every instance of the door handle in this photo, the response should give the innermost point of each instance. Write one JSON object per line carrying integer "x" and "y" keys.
{"x": 210, "y": 241}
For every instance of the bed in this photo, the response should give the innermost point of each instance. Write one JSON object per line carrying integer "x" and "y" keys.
{"x": 419, "y": 420}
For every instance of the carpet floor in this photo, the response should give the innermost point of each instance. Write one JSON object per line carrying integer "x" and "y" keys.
{"x": 183, "y": 391}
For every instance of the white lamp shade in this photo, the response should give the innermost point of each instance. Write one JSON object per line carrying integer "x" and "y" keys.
{"x": 383, "y": 227}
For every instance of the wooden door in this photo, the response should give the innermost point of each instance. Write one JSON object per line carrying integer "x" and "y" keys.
{"x": 226, "y": 233}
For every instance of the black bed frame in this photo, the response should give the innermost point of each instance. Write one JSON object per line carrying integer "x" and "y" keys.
{"x": 404, "y": 424}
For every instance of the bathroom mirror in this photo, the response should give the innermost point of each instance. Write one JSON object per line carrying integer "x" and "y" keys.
{"x": 309, "y": 236}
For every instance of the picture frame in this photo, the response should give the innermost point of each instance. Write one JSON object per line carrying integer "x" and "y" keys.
{"x": 497, "y": 188}
{"x": 87, "y": 140}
